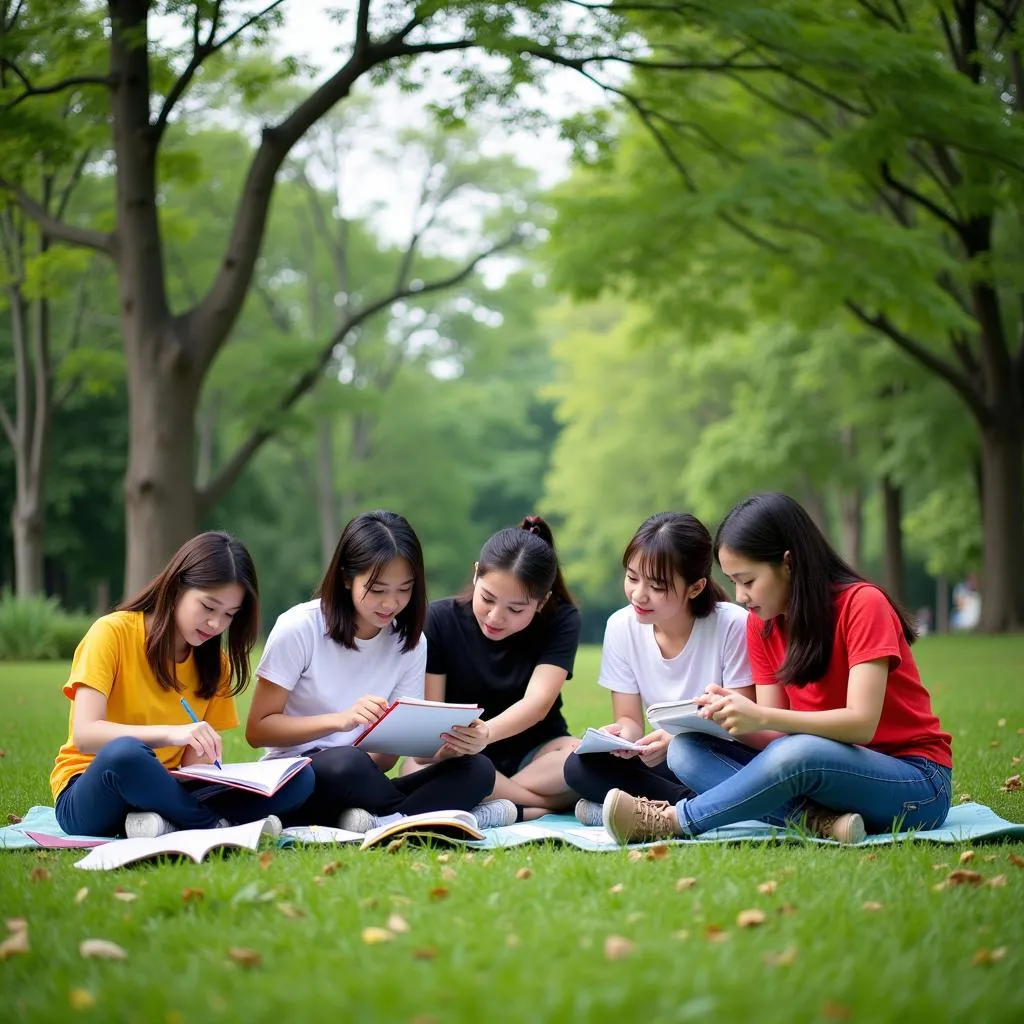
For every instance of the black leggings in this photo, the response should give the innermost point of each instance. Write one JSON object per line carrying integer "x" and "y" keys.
{"x": 347, "y": 777}
{"x": 592, "y": 775}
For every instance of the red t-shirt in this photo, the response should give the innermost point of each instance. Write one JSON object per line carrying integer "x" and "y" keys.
{"x": 867, "y": 627}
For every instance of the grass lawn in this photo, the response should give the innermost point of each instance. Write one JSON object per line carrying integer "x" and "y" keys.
{"x": 848, "y": 934}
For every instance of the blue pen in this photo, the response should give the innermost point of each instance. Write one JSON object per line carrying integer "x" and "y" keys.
{"x": 192, "y": 715}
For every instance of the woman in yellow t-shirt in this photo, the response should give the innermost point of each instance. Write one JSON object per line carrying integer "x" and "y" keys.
{"x": 128, "y": 726}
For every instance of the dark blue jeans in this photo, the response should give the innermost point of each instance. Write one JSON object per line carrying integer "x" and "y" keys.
{"x": 738, "y": 783}
{"x": 126, "y": 776}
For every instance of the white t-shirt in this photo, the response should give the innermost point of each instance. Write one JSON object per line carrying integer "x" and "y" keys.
{"x": 322, "y": 676}
{"x": 716, "y": 652}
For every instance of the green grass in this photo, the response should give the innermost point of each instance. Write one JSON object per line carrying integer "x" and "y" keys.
{"x": 503, "y": 948}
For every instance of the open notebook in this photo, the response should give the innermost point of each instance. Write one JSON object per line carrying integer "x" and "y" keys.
{"x": 445, "y": 826}
{"x": 596, "y": 742}
{"x": 264, "y": 777}
{"x": 413, "y": 727}
{"x": 676, "y": 716}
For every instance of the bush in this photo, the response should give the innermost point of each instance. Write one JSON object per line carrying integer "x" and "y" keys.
{"x": 27, "y": 628}
{"x": 68, "y": 630}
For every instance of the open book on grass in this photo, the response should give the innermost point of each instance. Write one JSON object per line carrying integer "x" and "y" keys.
{"x": 263, "y": 777}
{"x": 195, "y": 843}
{"x": 413, "y": 727}
{"x": 676, "y": 716}
{"x": 435, "y": 826}
{"x": 596, "y": 742}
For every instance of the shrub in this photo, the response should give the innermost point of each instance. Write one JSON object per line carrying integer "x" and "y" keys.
{"x": 68, "y": 630}
{"x": 27, "y": 627}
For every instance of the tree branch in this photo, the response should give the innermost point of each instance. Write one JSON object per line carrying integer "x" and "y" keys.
{"x": 56, "y": 229}
{"x": 362, "y": 40}
{"x": 71, "y": 82}
{"x": 923, "y": 201}
{"x": 208, "y": 497}
{"x": 879, "y": 15}
{"x": 928, "y": 359}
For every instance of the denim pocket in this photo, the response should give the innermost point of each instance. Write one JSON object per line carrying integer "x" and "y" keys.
{"x": 931, "y": 811}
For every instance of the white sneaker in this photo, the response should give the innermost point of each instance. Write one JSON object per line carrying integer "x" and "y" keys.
{"x": 355, "y": 819}
{"x": 494, "y": 814}
{"x": 589, "y": 812}
{"x": 146, "y": 825}
{"x": 272, "y": 827}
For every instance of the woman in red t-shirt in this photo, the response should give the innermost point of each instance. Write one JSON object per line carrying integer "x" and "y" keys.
{"x": 841, "y": 737}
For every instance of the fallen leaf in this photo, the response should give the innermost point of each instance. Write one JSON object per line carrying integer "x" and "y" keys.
{"x": 617, "y": 887}
{"x": 783, "y": 959}
{"x": 1014, "y": 761}
{"x": 369, "y": 903}
{"x": 15, "y": 943}
{"x": 318, "y": 880}
{"x": 398, "y": 924}
{"x": 443, "y": 858}
{"x": 636, "y": 855}
{"x": 636, "y": 915}
{"x": 290, "y": 911}
{"x": 940, "y": 886}
{"x": 39, "y": 874}
{"x": 400, "y": 901}
{"x": 329, "y": 869}
{"x": 468, "y": 856}
{"x": 192, "y": 895}
{"x": 681, "y": 935}
{"x": 101, "y": 949}
{"x": 985, "y": 957}
{"x": 787, "y": 908}
{"x": 124, "y": 895}
{"x": 1001, "y": 723}
{"x": 835, "y": 1011}
{"x": 616, "y": 947}
{"x": 81, "y": 999}
{"x": 425, "y": 952}
{"x": 767, "y": 888}
{"x": 1016, "y": 861}
{"x": 964, "y": 877}
{"x": 266, "y": 857}
{"x": 13, "y": 819}
{"x": 685, "y": 883}
{"x": 3, "y": 753}
{"x": 940, "y": 867}
{"x": 997, "y": 881}
{"x": 872, "y": 905}
{"x": 995, "y": 743}
{"x": 870, "y": 856}
{"x": 16, "y": 924}
{"x": 439, "y": 892}
{"x": 750, "y": 918}
{"x": 964, "y": 798}
{"x": 245, "y": 957}
{"x": 966, "y": 856}
{"x": 395, "y": 844}
{"x": 658, "y": 852}
{"x": 524, "y": 873}
{"x": 1020, "y": 732}
{"x": 448, "y": 874}
{"x": 512, "y": 940}
{"x": 81, "y": 894}
{"x": 375, "y": 936}
{"x": 990, "y": 858}
{"x": 1011, "y": 784}
{"x": 715, "y": 933}
{"x": 488, "y": 860}
{"x": 417, "y": 866}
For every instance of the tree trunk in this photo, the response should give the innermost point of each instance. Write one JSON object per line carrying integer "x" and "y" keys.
{"x": 1002, "y": 514}
{"x": 892, "y": 525}
{"x": 851, "y": 504}
{"x": 326, "y": 502}
{"x": 942, "y": 605}
{"x": 814, "y": 502}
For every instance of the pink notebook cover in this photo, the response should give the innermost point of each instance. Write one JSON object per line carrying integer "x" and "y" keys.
{"x": 49, "y": 842}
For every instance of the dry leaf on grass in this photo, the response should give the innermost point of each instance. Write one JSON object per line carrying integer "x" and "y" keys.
{"x": 985, "y": 957}
{"x": 395, "y": 844}
{"x": 443, "y": 858}
{"x": 995, "y": 743}
{"x": 1016, "y": 861}
{"x": 685, "y": 883}
{"x": 966, "y": 856}
{"x": 192, "y": 895}
{"x": 715, "y": 933}
{"x": 17, "y": 942}
{"x": 990, "y": 858}
{"x": 835, "y": 1011}
{"x": 750, "y": 918}
{"x": 870, "y": 856}
{"x": 81, "y": 894}
{"x": 13, "y": 819}
{"x": 369, "y": 903}
{"x": 466, "y": 857}
{"x": 872, "y": 905}
{"x": 636, "y": 855}
{"x": 39, "y": 874}
{"x": 964, "y": 798}
{"x": 329, "y": 869}
{"x": 964, "y": 877}
{"x": 448, "y": 874}
{"x": 1001, "y": 723}
{"x": 767, "y": 888}
{"x": 524, "y": 873}
{"x": 245, "y": 957}
{"x": 617, "y": 887}
{"x": 616, "y": 947}
{"x": 375, "y": 936}
{"x": 124, "y": 895}
{"x": 400, "y": 901}
{"x": 997, "y": 881}
{"x": 439, "y": 892}
{"x": 1014, "y": 761}
{"x": 681, "y": 935}
{"x": 398, "y": 924}
{"x": 266, "y": 858}
{"x": 787, "y": 908}
{"x": 81, "y": 999}
{"x": 289, "y": 910}
{"x": 658, "y": 852}
{"x": 101, "y": 949}
{"x": 488, "y": 860}
{"x": 425, "y": 952}
{"x": 783, "y": 959}
{"x": 1011, "y": 784}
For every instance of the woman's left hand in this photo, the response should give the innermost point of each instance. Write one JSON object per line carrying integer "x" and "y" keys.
{"x": 655, "y": 746}
{"x": 464, "y": 740}
{"x": 731, "y": 710}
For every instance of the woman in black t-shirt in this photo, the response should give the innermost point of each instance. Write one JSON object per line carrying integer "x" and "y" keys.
{"x": 508, "y": 643}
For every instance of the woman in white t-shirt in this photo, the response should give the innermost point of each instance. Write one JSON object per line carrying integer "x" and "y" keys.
{"x": 679, "y": 634}
{"x": 330, "y": 668}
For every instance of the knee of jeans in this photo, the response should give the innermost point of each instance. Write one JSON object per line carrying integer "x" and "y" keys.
{"x": 684, "y": 752}
{"x": 795, "y": 753}
{"x": 124, "y": 753}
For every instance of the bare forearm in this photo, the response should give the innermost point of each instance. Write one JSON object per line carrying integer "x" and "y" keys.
{"x": 845, "y": 725}
{"x": 280, "y": 730}
{"x": 629, "y": 728}
{"x": 92, "y": 737}
{"x": 514, "y": 720}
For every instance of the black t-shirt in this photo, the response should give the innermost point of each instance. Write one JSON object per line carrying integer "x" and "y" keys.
{"x": 495, "y": 673}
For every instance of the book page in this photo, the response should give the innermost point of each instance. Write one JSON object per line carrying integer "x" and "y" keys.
{"x": 681, "y": 717}
{"x": 414, "y": 729}
{"x": 259, "y": 776}
{"x": 596, "y": 742}
{"x": 451, "y": 824}
{"x": 195, "y": 843}
{"x": 325, "y": 834}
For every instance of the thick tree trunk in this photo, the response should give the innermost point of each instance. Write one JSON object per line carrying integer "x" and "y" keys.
{"x": 1002, "y": 468}
{"x": 892, "y": 526}
{"x": 942, "y": 605}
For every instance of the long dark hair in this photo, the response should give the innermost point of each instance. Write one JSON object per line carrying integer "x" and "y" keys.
{"x": 763, "y": 528}
{"x": 368, "y": 543}
{"x": 676, "y": 542}
{"x": 206, "y": 562}
{"x": 526, "y": 552}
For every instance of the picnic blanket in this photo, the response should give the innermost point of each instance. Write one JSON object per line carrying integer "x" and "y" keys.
{"x": 969, "y": 822}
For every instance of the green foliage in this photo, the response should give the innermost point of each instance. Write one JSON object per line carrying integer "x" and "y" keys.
{"x": 27, "y": 628}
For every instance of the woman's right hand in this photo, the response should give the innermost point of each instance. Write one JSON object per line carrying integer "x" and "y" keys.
{"x": 365, "y": 711}
{"x": 200, "y": 737}
{"x": 615, "y": 729}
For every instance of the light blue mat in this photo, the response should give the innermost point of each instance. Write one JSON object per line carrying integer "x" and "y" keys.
{"x": 966, "y": 823}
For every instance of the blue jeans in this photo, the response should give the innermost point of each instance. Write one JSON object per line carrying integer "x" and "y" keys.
{"x": 126, "y": 776}
{"x": 736, "y": 783}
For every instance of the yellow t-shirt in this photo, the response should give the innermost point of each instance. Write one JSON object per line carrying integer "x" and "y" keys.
{"x": 112, "y": 659}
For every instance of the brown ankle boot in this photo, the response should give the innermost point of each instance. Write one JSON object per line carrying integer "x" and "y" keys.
{"x": 635, "y": 819}
{"x": 842, "y": 828}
